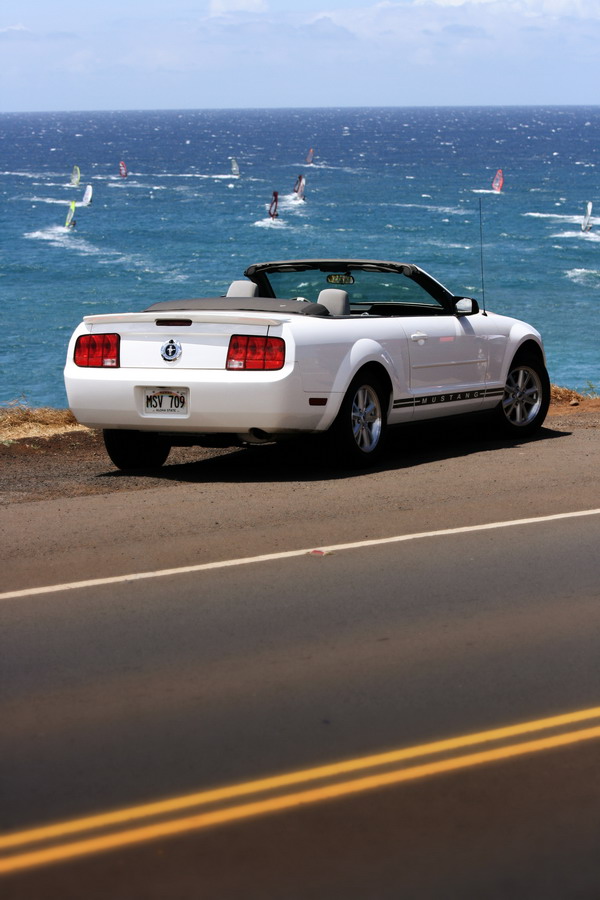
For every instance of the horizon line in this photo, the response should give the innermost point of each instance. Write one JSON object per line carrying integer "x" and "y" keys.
{"x": 139, "y": 109}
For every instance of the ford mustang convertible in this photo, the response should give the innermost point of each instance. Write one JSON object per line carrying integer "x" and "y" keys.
{"x": 342, "y": 346}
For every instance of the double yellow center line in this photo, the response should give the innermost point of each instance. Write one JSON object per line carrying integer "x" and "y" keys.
{"x": 178, "y": 815}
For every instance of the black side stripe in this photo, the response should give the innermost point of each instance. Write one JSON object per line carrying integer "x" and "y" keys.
{"x": 448, "y": 397}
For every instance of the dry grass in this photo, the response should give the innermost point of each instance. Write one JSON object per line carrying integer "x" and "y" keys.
{"x": 565, "y": 395}
{"x": 25, "y": 421}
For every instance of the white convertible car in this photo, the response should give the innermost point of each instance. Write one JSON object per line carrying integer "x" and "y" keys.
{"x": 343, "y": 346}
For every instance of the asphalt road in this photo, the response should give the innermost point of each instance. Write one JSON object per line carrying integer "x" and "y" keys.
{"x": 129, "y": 692}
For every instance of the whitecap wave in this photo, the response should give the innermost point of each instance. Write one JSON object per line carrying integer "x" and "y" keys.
{"x": 291, "y": 202}
{"x": 591, "y": 236}
{"x": 60, "y": 236}
{"x": 555, "y": 217}
{"x": 68, "y": 239}
{"x": 270, "y": 223}
{"x": 55, "y": 200}
{"x": 589, "y": 278}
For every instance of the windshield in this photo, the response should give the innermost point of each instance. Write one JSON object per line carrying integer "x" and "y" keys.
{"x": 363, "y": 286}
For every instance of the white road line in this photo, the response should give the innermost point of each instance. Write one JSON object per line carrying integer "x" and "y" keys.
{"x": 289, "y": 554}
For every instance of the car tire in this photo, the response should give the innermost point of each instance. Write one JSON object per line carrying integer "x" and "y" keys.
{"x": 136, "y": 449}
{"x": 358, "y": 433}
{"x": 524, "y": 405}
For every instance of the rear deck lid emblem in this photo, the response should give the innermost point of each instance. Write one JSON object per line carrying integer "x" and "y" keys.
{"x": 171, "y": 350}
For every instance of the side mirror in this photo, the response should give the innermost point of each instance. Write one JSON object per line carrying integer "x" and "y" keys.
{"x": 466, "y": 306}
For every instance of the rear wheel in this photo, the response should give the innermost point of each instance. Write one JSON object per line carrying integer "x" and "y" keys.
{"x": 524, "y": 405}
{"x": 359, "y": 431}
{"x": 136, "y": 449}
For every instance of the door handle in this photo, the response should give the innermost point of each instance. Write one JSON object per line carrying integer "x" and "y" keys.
{"x": 419, "y": 336}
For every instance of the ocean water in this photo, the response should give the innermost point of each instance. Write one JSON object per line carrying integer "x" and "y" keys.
{"x": 405, "y": 184}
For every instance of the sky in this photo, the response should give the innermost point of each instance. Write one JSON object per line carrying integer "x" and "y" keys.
{"x": 213, "y": 54}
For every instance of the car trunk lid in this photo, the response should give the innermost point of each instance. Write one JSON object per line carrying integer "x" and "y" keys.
{"x": 180, "y": 340}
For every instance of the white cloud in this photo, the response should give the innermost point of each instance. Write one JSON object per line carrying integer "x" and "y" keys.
{"x": 14, "y": 31}
{"x": 574, "y": 8}
{"x": 221, "y": 7}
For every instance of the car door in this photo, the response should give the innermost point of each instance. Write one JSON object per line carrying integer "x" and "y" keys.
{"x": 448, "y": 363}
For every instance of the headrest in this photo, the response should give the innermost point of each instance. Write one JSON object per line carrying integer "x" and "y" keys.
{"x": 242, "y": 288}
{"x": 335, "y": 300}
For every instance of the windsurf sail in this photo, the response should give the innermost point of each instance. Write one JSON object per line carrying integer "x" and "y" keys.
{"x": 273, "y": 207}
{"x": 69, "y": 221}
{"x": 498, "y": 181}
{"x": 87, "y": 195}
{"x": 123, "y": 169}
{"x": 586, "y": 224}
{"x": 299, "y": 187}
{"x": 235, "y": 169}
{"x": 75, "y": 176}
{"x": 309, "y": 156}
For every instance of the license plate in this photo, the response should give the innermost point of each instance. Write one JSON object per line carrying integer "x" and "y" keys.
{"x": 165, "y": 401}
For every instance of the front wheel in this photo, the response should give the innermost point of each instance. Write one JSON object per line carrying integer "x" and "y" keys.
{"x": 359, "y": 431}
{"x": 136, "y": 449}
{"x": 524, "y": 405}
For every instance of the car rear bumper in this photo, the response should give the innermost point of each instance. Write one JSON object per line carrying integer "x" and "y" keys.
{"x": 222, "y": 402}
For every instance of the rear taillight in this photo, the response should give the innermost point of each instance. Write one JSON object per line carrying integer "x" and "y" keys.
{"x": 252, "y": 352}
{"x": 97, "y": 350}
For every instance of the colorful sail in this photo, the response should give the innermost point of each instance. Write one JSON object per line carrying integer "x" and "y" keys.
{"x": 310, "y": 156}
{"x": 87, "y": 195}
{"x": 273, "y": 207}
{"x": 123, "y": 169}
{"x": 69, "y": 221}
{"x": 235, "y": 169}
{"x": 586, "y": 224}
{"x": 75, "y": 176}
{"x": 498, "y": 181}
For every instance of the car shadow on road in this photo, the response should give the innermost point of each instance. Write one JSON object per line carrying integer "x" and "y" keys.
{"x": 311, "y": 459}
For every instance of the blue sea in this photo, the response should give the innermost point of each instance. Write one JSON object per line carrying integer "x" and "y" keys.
{"x": 409, "y": 184}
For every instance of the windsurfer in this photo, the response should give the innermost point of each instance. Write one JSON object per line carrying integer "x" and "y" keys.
{"x": 586, "y": 224}
{"x": 498, "y": 181}
{"x": 70, "y": 220}
{"x": 299, "y": 187}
